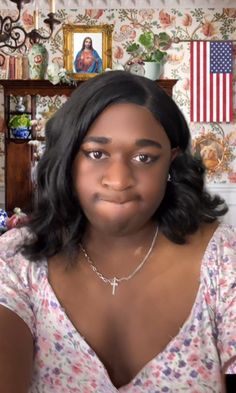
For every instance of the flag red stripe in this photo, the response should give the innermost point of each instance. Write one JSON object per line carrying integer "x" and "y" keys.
{"x": 191, "y": 81}
{"x": 198, "y": 81}
{"x": 211, "y": 97}
{"x": 231, "y": 97}
{"x": 204, "y": 82}
{"x": 224, "y": 96}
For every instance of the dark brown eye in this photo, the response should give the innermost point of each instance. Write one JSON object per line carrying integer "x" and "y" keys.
{"x": 144, "y": 158}
{"x": 95, "y": 155}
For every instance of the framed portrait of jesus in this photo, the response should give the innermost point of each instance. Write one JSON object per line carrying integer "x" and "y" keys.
{"x": 87, "y": 49}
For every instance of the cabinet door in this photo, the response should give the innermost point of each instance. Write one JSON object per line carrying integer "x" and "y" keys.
{"x": 18, "y": 175}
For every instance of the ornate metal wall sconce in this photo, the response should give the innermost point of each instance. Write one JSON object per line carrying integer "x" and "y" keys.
{"x": 14, "y": 36}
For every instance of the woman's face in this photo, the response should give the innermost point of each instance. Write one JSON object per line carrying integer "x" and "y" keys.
{"x": 121, "y": 170}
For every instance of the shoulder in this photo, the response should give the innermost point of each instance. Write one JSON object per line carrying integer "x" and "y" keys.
{"x": 12, "y": 241}
{"x": 220, "y": 275}
{"x": 13, "y": 238}
{"x": 219, "y": 263}
{"x": 19, "y": 277}
{"x": 223, "y": 241}
{"x": 14, "y": 267}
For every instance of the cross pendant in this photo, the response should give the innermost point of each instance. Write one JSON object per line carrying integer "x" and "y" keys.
{"x": 114, "y": 284}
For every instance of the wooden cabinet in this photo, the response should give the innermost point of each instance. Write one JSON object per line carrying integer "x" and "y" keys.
{"x": 18, "y": 153}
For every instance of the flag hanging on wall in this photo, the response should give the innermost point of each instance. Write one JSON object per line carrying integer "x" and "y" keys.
{"x": 211, "y": 81}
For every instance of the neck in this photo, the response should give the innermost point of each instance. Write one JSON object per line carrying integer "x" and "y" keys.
{"x": 123, "y": 254}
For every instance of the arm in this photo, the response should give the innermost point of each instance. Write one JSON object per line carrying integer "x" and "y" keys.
{"x": 16, "y": 353}
{"x": 76, "y": 62}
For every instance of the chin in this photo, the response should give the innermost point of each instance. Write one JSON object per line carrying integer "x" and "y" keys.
{"x": 119, "y": 226}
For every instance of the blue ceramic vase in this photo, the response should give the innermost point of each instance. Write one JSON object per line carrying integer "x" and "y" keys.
{"x": 21, "y": 132}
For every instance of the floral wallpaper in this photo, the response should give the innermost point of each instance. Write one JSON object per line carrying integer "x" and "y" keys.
{"x": 215, "y": 142}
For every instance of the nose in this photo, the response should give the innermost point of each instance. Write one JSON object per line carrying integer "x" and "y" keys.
{"x": 118, "y": 176}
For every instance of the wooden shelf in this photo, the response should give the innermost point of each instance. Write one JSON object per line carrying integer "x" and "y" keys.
{"x": 46, "y": 88}
{"x": 33, "y": 87}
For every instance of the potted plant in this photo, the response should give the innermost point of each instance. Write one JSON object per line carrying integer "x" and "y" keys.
{"x": 20, "y": 126}
{"x": 151, "y": 51}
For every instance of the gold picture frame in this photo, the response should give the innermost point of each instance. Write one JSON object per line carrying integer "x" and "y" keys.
{"x": 86, "y": 64}
{"x": 215, "y": 152}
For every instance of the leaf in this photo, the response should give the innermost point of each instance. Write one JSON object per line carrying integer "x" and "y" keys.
{"x": 147, "y": 39}
{"x": 159, "y": 56}
{"x": 132, "y": 48}
{"x": 164, "y": 40}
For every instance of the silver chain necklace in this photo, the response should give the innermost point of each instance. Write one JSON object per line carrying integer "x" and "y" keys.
{"x": 114, "y": 282}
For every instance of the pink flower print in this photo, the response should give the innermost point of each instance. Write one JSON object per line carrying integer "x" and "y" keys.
{"x": 61, "y": 318}
{"x": 94, "y": 14}
{"x": 187, "y": 20}
{"x": 165, "y": 19}
{"x": 27, "y": 19}
{"x": 57, "y": 336}
{"x": 208, "y": 297}
{"x": 76, "y": 368}
{"x": 232, "y": 177}
{"x": 196, "y": 340}
{"x": 147, "y": 383}
{"x": 35, "y": 287}
{"x": 44, "y": 344}
{"x": 208, "y": 29}
{"x": 223, "y": 282}
{"x": 118, "y": 53}
{"x": 156, "y": 374}
{"x": 230, "y": 12}
{"x": 170, "y": 356}
{"x": 45, "y": 303}
{"x": 58, "y": 60}
{"x": 190, "y": 382}
{"x": 146, "y": 14}
{"x": 186, "y": 84}
{"x": 193, "y": 359}
{"x": 128, "y": 31}
{"x": 203, "y": 372}
{"x": 57, "y": 382}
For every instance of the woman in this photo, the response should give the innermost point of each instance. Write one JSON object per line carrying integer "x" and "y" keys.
{"x": 87, "y": 59}
{"x": 123, "y": 279}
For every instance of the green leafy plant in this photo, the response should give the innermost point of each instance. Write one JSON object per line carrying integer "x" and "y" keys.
{"x": 17, "y": 121}
{"x": 152, "y": 47}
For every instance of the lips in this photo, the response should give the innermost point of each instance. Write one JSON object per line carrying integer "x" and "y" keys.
{"x": 116, "y": 200}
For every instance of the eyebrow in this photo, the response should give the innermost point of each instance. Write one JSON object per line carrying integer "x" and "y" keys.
{"x": 98, "y": 139}
{"x": 148, "y": 142}
{"x": 139, "y": 142}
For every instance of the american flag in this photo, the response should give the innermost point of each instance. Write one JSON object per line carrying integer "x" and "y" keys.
{"x": 211, "y": 81}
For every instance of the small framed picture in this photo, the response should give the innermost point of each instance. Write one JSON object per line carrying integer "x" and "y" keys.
{"x": 87, "y": 49}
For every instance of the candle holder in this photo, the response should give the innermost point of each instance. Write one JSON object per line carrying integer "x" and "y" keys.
{"x": 34, "y": 35}
{"x": 13, "y": 36}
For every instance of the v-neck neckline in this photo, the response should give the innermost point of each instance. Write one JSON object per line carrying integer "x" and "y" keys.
{"x": 89, "y": 350}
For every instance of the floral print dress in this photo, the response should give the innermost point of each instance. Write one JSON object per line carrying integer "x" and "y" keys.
{"x": 64, "y": 363}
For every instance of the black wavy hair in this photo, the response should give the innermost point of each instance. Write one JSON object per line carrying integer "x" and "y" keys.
{"x": 58, "y": 222}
